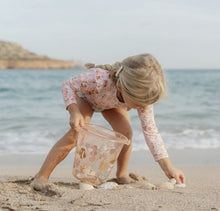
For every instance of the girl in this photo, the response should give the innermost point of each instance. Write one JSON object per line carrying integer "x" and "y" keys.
{"x": 137, "y": 82}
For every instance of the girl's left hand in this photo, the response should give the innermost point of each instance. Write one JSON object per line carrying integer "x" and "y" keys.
{"x": 175, "y": 173}
{"x": 171, "y": 171}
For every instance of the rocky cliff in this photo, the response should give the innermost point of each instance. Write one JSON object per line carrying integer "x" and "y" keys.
{"x": 14, "y": 56}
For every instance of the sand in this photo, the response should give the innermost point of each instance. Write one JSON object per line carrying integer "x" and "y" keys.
{"x": 202, "y": 190}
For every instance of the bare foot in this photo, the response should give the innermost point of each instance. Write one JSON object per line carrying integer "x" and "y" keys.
{"x": 125, "y": 180}
{"x": 43, "y": 185}
{"x": 40, "y": 183}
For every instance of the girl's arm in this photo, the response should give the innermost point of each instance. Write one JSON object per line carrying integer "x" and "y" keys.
{"x": 171, "y": 171}
{"x": 151, "y": 134}
{"x": 84, "y": 82}
{"x": 69, "y": 89}
{"x": 87, "y": 82}
{"x": 156, "y": 144}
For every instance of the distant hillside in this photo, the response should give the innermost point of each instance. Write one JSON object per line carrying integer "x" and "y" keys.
{"x": 14, "y": 51}
{"x": 14, "y": 56}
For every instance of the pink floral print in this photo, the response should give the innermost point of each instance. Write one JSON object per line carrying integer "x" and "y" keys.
{"x": 151, "y": 134}
{"x": 100, "y": 90}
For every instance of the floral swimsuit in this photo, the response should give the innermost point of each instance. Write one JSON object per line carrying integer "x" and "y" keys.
{"x": 100, "y": 91}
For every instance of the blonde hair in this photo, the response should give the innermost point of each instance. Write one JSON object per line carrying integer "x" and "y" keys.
{"x": 141, "y": 78}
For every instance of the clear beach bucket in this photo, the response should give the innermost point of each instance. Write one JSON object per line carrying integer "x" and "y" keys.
{"x": 97, "y": 150}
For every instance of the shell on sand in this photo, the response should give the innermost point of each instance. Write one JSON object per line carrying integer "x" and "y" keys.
{"x": 180, "y": 185}
{"x": 166, "y": 185}
{"x": 108, "y": 185}
{"x": 173, "y": 181}
{"x": 85, "y": 186}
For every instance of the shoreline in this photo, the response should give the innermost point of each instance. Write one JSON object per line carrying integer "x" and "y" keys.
{"x": 180, "y": 157}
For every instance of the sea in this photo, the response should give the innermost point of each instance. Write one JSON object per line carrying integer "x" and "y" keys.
{"x": 33, "y": 115}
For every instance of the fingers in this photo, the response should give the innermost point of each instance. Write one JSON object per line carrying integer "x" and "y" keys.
{"x": 76, "y": 124}
{"x": 180, "y": 179}
{"x": 81, "y": 123}
{"x": 168, "y": 175}
{"x": 177, "y": 175}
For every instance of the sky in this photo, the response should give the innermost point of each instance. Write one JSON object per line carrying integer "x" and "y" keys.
{"x": 180, "y": 34}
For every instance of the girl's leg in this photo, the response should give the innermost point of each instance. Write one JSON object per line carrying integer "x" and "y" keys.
{"x": 62, "y": 148}
{"x": 119, "y": 120}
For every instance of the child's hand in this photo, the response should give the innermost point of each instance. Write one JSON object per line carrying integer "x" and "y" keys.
{"x": 175, "y": 173}
{"x": 171, "y": 171}
{"x": 76, "y": 118}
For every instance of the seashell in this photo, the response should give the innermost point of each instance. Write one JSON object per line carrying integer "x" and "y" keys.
{"x": 108, "y": 185}
{"x": 173, "y": 181}
{"x": 166, "y": 185}
{"x": 180, "y": 185}
{"x": 85, "y": 186}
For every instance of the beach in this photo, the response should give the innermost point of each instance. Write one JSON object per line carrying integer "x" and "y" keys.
{"x": 202, "y": 191}
{"x": 187, "y": 122}
{"x": 157, "y": 60}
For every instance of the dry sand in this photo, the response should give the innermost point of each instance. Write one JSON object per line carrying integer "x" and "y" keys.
{"x": 201, "y": 193}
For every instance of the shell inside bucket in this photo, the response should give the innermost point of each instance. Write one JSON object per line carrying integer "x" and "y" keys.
{"x": 97, "y": 150}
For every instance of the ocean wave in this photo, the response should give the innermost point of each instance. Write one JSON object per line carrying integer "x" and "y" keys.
{"x": 42, "y": 141}
{"x": 188, "y": 138}
{"x": 26, "y": 142}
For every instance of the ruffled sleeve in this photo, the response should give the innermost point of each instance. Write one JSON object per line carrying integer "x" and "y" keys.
{"x": 151, "y": 134}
